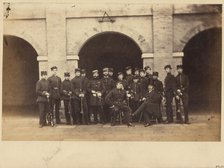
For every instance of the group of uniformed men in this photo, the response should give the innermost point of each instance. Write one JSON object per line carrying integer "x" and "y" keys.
{"x": 128, "y": 97}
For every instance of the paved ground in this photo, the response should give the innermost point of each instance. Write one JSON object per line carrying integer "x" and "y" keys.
{"x": 24, "y": 127}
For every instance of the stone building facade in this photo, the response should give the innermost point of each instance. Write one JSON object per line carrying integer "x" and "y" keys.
{"x": 58, "y": 32}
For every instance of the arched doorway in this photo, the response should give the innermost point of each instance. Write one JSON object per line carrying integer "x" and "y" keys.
{"x": 111, "y": 49}
{"x": 202, "y": 63}
{"x": 20, "y": 73}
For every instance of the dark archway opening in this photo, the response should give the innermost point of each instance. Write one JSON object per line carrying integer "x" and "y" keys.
{"x": 110, "y": 49}
{"x": 20, "y": 74}
{"x": 202, "y": 63}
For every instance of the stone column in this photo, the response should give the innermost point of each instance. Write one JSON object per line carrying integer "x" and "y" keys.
{"x": 147, "y": 59}
{"x": 56, "y": 37}
{"x": 162, "y": 37}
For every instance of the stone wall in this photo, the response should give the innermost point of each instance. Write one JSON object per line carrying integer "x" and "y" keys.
{"x": 58, "y": 31}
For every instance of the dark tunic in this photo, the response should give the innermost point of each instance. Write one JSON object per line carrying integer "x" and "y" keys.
{"x": 66, "y": 87}
{"x": 182, "y": 82}
{"x": 109, "y": 84}
{"x": 95, "y": 85}
{"x": 85, "y": 83}
{"x": 78, "y": 87}
{"x": 129, "y": 79}
{"x": 151, "y": 104}
{"x": 144, "y": 85}
{"x": 55, "y": 86}
{"x": 116, "y": 97}
{"x": 135, "y": 90}
{"x": 158, "y": 86}
{"x": 150, "y": 78}
{"x": 41, "y": 87}
{"x": 170, "y": 85}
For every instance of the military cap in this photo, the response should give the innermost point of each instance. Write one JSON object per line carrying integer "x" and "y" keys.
{"x": 66, "y": 74}
{"x": 54, "y": 67}
{"x": 155, "y": 74}
{"x": 105, "y": 69}
{"x": 167, "y": 66}
{"x": 43, "y": 73}
{"x": 147, "y": 67}
{"x": 179, "y": 66}
{"x": 95, "y": 71}
{"x": 77, "y": 70}
{"x": 120, "y": 73}
{"x": 127, "y": 68}
{"x": 137, "y": 69}
{"x": 111, "y": 69}
{"x": 83, "y": 71}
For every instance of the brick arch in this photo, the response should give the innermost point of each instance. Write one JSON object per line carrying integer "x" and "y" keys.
{"x": 139, "y": 39}
{"x": 194, "y": 31}
{"x": 29, "y": 40}
{"x": 105, "y": 32}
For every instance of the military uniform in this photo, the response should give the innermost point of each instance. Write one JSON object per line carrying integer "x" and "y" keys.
{"x": 55, "y": 94}
{"x": 150, "y": 106}
{"x": 96, "y": 87}
{"x": 85, "y": 87}
{"x": 79, "y": 106}
{"x": 66, "y": 92}
{"x": 148, "y": 75}
{"x": 182, "y": 82}
{"x": 143, "y": 84}
{"x": 135, "y": 91}
{"x": 158, "y": 87}
{"x": 129, "y": 77}
{"x": 109, "y": 84}
{"x": 117, "y": 98}
{"x": 169, "y": 91}
{"x": 42, "y": 88}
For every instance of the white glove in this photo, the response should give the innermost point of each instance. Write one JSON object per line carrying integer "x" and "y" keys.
{"x": 128, "y": 95}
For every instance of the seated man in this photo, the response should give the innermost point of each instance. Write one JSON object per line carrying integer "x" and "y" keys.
{"x": 150, "y": 106}
{"x": 116, "y": 99}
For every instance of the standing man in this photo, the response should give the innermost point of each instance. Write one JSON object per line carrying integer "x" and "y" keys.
{"x": 182, "y": 81}
{"x": 66, "y": 90}
{"x": 96, "y": 89}
{"x": 43, "y": 94}
{"x": 109, "y": 84}
{"x": 150, "y": 106}
{"x": 55, "y": 86}
{"x": 169, "y": 91}
{"x": 85, "y": 87}
{"x": 158, "y": 87}
{"x": 143, "y": 80}
{"x": 148, "y": 71}
{"x": 116, "y": 99}
{"x": 80, "y": 113}
{"x": 135, "y": 92}
{"x": 129, "y": 76}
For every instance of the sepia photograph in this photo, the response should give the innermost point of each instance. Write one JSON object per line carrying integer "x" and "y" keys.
{"x": 111, "y": 72}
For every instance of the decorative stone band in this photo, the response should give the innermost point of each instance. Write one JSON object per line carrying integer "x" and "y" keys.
{"x": 147, "y": 55}
{"x": 72, "y": 57}
{"x": 178, "y": 54}
{"x": 42, "y": 58}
